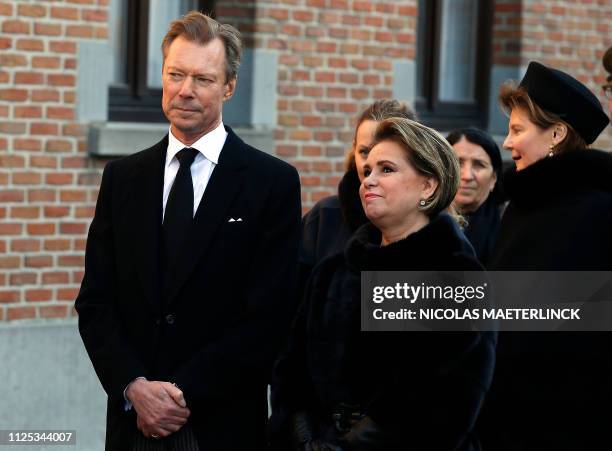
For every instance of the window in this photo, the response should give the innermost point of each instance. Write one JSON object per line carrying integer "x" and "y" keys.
{"x": 453, "y": 60}
{"x": 137, "y": 29}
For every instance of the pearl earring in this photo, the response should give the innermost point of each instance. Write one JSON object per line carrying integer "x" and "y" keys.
{"x": 422, "y": 202}
{"x": 552, "y": 150}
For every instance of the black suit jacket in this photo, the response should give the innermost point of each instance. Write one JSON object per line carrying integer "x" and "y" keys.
{"x": 216, "y": 327}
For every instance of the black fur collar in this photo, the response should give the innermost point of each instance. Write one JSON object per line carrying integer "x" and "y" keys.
{"x": 562, "y": 174}
{"x": 350, "y": 202}
{"x": 438, "y": 245}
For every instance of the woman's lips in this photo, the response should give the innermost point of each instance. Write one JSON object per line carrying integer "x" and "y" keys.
{"x": 371, "y": 196}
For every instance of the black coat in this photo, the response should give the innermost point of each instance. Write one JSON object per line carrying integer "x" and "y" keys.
{"x": 483, "y": 229}
{"x": 328, "y": 226}
{"x": 553, "y": 390}
{"x": 216, "y": 330}
{"x": 404, "y": 381}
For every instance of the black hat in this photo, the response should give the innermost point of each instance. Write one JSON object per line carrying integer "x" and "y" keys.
{"x": 563, "y": 95}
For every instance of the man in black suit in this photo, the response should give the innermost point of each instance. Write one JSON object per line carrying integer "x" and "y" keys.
{"x": 191, "y": 265}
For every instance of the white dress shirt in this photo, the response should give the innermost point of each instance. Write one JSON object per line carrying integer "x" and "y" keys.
{"x": 209, "y": 147}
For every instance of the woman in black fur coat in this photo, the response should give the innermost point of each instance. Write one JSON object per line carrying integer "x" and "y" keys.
{"x": 337, "y": 388}
{"x": 553, "y": 390}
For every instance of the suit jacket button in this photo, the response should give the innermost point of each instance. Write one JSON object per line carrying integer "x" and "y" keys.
{"x": 170, "y": 319}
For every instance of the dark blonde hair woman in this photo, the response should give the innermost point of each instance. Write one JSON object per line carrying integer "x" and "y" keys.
{"x": 329, "y": 224}
{"x": 337, "y": 388}
{"x": 551, "y": 391}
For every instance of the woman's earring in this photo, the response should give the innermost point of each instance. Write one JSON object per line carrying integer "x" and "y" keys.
{"x": 552, "y": 150}
{"x": 422, "y": 202}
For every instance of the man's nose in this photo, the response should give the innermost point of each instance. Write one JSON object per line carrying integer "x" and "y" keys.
{"x": 186, "y": 88}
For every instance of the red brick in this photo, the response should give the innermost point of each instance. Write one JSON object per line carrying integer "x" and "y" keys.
{"x": 67, "y": 294}
{"x": 41, "y": 229}
{"x": 84, "y": 212}
{"x": 339, "y": 63}
{"x": 26, "y": 178}
{"x": 62, "y": 46}
{"x": 59, "y": 178}
{"x": 278, "y": 14}
{"x": 45, "y": 95}
{"x": 80, "y": 31}
{"x": 312, "y": 121}
{"x": 28, "y": 78}
{"x": 23, "y": 278}
{"x": 38, "y": 261}
{"x": 315, "y": 32}
{"x": 5, "y": 43}
{"x": 53, "y": 311}
{"x": 14, "y": 95}
{"x": 12, "y": 195}
{"x": 300, "y": 135}
{"x": 60, "y": 12}
{"x": 32, "y": 10}
{"x": 36, "y": 45}
{"x": 303, "y": 16}
{"x": 57, "y": 245}
{"x": 38, "y": 295}
{"x": 286, "y": 150}
{"x": 25, "y": 212}
{"x": 44, "y": 128}
{"x": 73, "y": 196}
{"x": 102, "y": 33}
{"x": 41, "y": 195}
{"x": 17, "y": 313}
{"x": 91, "y": 179}
{"x": 73, "y": 130}
{"x": 32, "y": 112}
{"x": 10, "y": 262}
{"x": 43, "y": 161}
{"x": 56, "y": 212}
{"x": 15, "y": 26}
{"x": 58, "y": 145}
{"x": 4, "y": 112}
{"x": 311, "y": 151}
{"x": 6, "y": 9}
{"x": 7, "y": 297}
{"x": 4, "y": 77}
{"x": 25, "y": 246}
{"x": 77, "y": 276}
{"x": 46, "y": 62}
{"x": 27, "y": 144}
{"x": 73, "y": 228}
{"x": 71, "y": 260}
{"x": 13, "y": 128}
{"x": 326, "y": 17}
{"x": 326, "y": 47}
{"x": 12, "y": 161}
{"x": 337, "y": 93}
{"x": 60, "y": 113}
{"x": 11, "y": 228}
{"x": 55, "y": 278}
{"x": 47, "y": 29}
{"x": 61, "y": 80}
{"x": 70, "y": 63}
{"x": 349, "y": 77}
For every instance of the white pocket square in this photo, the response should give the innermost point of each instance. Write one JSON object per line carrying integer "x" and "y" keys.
{"x": 235, "y": 220}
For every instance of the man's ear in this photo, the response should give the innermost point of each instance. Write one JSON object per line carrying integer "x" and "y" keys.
{"x": 230, "y": 87}
{"x": 429, "y": 187}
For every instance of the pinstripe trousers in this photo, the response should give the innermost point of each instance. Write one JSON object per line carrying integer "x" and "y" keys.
{"x": 182, "y": 440}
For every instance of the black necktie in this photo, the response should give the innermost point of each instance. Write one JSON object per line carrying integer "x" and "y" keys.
{"x": 179, "y": 208}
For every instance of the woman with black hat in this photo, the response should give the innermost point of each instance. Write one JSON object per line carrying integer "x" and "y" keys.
{"x": 553, "y": 390}
{"x": 479, "y": 196}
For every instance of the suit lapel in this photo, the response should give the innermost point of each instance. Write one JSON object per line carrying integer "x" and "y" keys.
{"x": 148, "y": 185}
{"x": 223, "y": 186}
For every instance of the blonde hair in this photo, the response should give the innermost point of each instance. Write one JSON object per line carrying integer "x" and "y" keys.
{"x": 202, "y": 29}
{"x": 430, "y": 155}
{"x": 377, "y": 112}
{"x": 511, "y": 97}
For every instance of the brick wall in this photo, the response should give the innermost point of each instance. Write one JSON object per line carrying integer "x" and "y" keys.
{"x": 48, "y": 186}
{"x": 335, "y": 57}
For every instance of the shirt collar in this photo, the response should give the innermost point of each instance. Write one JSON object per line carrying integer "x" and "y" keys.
{"x": 209, "y": 145}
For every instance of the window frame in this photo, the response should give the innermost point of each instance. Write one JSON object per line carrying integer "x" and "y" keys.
{"x": 134, "y": 101}
{"x": 445, "y": 115}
